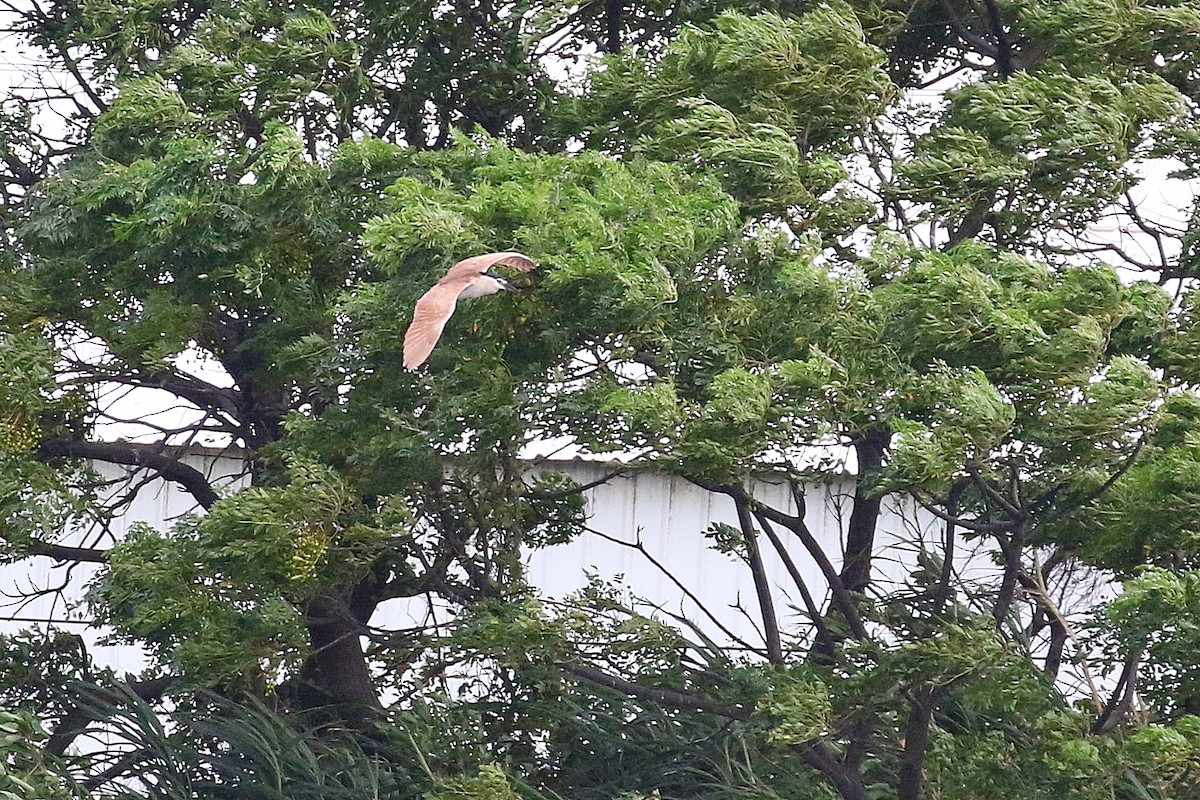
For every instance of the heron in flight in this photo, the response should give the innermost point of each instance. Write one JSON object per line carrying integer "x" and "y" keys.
{"x": 467, "y": 278}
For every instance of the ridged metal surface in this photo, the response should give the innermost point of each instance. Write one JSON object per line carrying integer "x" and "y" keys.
{"x": 666, "y": 515}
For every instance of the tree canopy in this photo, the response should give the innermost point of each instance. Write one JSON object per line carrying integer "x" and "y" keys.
{"x": 917, "y": 240}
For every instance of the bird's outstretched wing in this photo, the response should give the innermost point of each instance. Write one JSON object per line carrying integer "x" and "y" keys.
{"x": 469, "y": 267}
{"x": 429, "y": 318}
{"x": 435, "y": 306}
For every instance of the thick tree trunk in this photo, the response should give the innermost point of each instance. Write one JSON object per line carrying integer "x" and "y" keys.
{"x": 612, "y": 25}
{"x": 336, "y": 672}
{"x": 916, "y": 744}
{"x": 860, "y": 532}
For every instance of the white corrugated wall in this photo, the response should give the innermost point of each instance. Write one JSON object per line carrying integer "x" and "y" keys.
{"x": 665, "y": 514}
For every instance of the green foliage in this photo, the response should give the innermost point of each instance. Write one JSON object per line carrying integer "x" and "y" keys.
{"x": 1107, "y": 33}
{"x": 586, "y": 219}
{"x": 798, "y": 710}
{"x": 288, "y": 532}
{"x": 511, "y": 633}
{"x": 38, "y": 665}
{"x": 205, "y": 604}
{"x": 24, "y": 774}
{"x": 692, "y": 104}
{"x": 26, "y": 362}
{"x": 1056, "y": 758}
{"x": 1156, "y": 615}
{"x": 488, "y": 783}
{"x": 1147, "y": 516}
{"x": 1053, "y": 143}
{"x": 757, "y": 252}
{"x": 252, "y": 749}
{"x": 37, "y": 500}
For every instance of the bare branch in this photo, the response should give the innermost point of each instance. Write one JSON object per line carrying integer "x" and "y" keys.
{"x": 1035, "y": 585}
{"x": 199, "y": 393}
{"x": 1003, "y": 46}
{"x": 73, "y": 67}
{"x": 1117, "y": 707}
{"x": 63, "y": 553}
{"x": 841, "y": 596}
{"x": 814, "y": 611}
{"x": 969, "y": 37}
{"x": 942, "y": 594}
{"x": 869, "y": 448}
{"x": 138, "y": 455}
{"x": 963, "y": 522}
{"x": 1008, "y": 505}
{"x": 688, "y": 593}
{"x": 583, "y": 487}
{"x": 916, "y": 743}
{"x": 669, "y": 697}
{"x": 1011, "y": 549}
{"x": 822, "y": 757}
{"x": 766, "y": 604}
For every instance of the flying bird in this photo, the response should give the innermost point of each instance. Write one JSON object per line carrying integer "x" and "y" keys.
{"x": 467, "y": 278}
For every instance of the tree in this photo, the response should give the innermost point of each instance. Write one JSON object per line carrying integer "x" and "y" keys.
{"x": 757, "y": 242}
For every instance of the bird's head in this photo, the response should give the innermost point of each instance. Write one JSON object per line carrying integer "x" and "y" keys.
{"x": 501, "y": 283}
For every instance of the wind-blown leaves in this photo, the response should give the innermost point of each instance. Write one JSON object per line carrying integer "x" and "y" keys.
{"x": 764, "y": 255}
{"x": 773, "y": 147}
{"x": 1053, "y": 146}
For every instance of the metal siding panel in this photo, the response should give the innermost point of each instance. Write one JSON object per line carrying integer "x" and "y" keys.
{"x": 671, "y": 515}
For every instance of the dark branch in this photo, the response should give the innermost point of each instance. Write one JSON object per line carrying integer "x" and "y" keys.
{"x": 612, "y": 20}
{"x": 822, "y": 757}
{"x": 1010, "y": 508}
{"x": 916, "y": 744}
{"x": 136, "y": 455}
{"x": 864, "y": 515}
{"x": 824, "y": 637}
{"x": 1122, "y": 697}
{"x": 63, "y": 553}
{"x": 538, "y": 494}
{"x": 1003, "y": 46}
{"x": 668, "y": 697}
{"x": 73, "y": 67}
{"x": 969, "y": 37}
{"x": 1011, "y": 550}
{"x": 197, "y": 392}
{"x": 964, "y": 522}
{"x": 942, "y": 593}
{"x": 842, "y": 598}
{"x": 766, "y": 604}
{"x": 92, "y": 703}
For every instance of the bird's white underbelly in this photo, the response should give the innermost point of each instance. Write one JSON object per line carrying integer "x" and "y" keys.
{"x": 479, "y": 288}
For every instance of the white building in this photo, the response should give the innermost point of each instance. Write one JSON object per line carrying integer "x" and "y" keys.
{"x": 674, "y": 570}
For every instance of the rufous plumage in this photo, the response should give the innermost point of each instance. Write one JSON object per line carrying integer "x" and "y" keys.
{"x": 468, "y": 278}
